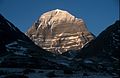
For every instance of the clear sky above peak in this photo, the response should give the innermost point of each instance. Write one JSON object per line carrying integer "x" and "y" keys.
{"x": 97, "y": 14}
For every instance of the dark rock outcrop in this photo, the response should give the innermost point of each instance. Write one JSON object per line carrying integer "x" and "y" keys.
{"x": 13, "y": 40}
{"x": 107, "y": 43}
{"x": 103, "y": 52}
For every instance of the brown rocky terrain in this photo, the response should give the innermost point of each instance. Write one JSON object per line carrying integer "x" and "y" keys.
{"x": 58, "y": 31}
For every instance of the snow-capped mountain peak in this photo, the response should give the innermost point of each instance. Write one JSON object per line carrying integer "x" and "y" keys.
{"x": 59, "y": 31}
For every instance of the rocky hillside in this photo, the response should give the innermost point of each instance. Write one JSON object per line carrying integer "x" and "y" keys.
{"x": 107, "y": 42}
{"x": 103, "y": 52}
{"x": 12, "y": 39}
{"x": 58, "y": 31}
{"x": 17, "y": 50}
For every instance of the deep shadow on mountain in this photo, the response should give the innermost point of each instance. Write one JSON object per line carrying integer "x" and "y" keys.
{"x": 17, "y": 50}
{"x": 103, "y": 52}
{"x": 107, "y": 42}
{"x": 9, "y": 34}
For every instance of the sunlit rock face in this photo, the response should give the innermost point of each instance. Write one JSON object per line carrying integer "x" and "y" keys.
{"x": 58, "y": 31}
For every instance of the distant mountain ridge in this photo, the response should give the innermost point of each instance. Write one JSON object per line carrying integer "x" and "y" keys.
{"x": 58, "y": 31}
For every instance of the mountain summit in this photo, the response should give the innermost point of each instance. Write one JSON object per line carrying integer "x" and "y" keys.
{"x": 58, "y": 31}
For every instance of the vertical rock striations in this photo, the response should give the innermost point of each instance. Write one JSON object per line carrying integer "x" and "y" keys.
{"x": 58, "y": 31}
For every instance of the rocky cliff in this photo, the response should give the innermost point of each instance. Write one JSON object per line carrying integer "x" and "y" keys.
{"x": 58, "y": 31}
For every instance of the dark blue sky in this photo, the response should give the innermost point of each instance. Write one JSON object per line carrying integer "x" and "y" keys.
{"x": 97, "y": 14}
